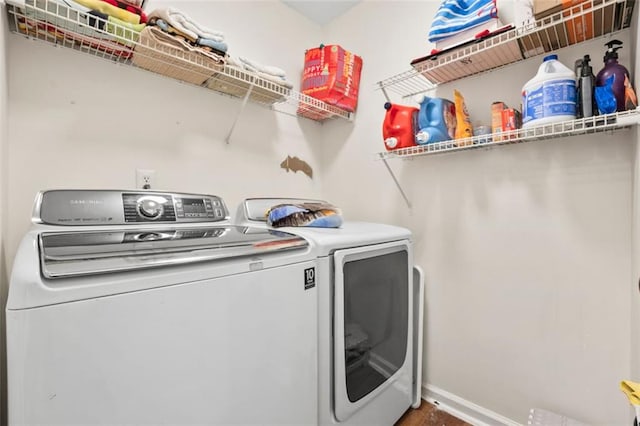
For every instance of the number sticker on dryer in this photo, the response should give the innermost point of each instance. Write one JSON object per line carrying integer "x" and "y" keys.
{"x": 309, "y": 278}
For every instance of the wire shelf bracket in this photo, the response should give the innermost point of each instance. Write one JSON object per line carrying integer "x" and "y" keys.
{"x": 245, "y": 100}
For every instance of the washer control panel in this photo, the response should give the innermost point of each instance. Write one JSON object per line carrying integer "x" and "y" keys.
{"x": 143, "y": 207}
{"x": 106, "y": 207}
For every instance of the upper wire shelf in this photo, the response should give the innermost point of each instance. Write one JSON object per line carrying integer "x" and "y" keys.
{"x": 596, "y": 124}
{"x": 585, "y": 21}
{"x": 54, "y": 22}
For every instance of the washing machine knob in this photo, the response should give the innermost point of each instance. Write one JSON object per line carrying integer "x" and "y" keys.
{"x": 150, "y": 207}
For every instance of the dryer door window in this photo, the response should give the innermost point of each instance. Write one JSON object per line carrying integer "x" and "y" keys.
{"x": 374, "y": 302}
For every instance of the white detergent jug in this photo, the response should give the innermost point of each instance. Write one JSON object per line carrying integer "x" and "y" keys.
{"x": 550, "y": 96}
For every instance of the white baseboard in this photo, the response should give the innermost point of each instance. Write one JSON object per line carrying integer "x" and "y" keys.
{"x": 463, "y": 409}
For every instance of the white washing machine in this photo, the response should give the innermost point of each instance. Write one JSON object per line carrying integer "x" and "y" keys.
{"x": 369, "y": 317}
{"x": 151, "y": 308}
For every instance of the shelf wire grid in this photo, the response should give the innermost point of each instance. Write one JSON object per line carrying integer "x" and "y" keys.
{"x": 596, "y": 124}
{"x": 56, "y": 23}
{"x": 407, "y": 84}
{"x": 585, "y": 21}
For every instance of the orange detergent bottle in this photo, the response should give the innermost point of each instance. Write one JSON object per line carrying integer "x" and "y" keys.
{"x": 399, "y": 126}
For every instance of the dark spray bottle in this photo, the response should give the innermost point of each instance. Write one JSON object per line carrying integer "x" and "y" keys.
{"x": 585, "y": 84}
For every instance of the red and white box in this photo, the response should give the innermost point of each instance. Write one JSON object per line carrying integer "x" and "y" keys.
{"x": 511, "y": 120}
{"x": 332, "y": 75}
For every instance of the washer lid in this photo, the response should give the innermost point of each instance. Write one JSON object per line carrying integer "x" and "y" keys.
{"x": 66, "y": 254}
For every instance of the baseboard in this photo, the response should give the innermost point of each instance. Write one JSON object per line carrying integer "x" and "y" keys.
{"x": 463, "y": 409}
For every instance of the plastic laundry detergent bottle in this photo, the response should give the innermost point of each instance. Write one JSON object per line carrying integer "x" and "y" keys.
{"x": 612, "y": 67}
{"x": 550, "y": 96}
{"x": 436, "y": 120}
{"x": 400, "y": 126}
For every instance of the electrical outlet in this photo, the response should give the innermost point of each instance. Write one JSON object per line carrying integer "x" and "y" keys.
{"x": 145, "y": 178}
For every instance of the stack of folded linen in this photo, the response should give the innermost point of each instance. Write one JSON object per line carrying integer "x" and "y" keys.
{"x": 123, "y": 10}
{"x": 123, "y": 18}
{"x": 83, "y": 22}
{"x": 269, "y": 83}
{"x": 175, "y": 45}
{"x": 180, "y": 25}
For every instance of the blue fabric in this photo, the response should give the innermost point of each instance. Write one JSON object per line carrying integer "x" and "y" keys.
{"x": 605, "y": 99}
{"x": 332, "y": 221}
{"x": 163, "y": 25}
{"x": 281, "y": 212}
{"x": 218, "y": 45}
{"x": 206, "y": 42}
{"x": 455, "y": 16}
{"x": 318, "y": 215}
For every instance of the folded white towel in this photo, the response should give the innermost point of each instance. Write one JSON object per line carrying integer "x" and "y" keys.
{"x": 184, "y": 23}
{"x": 231, "y": 60}
{"x": 279, "y": 79}
{"x": 266, "y": 69}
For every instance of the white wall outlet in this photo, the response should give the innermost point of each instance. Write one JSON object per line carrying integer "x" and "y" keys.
{"x": 145, "y": 178}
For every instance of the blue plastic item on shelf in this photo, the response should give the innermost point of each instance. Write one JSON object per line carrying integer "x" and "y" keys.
{"x": 605, "y": 96}
{"x": 436, "y": 120}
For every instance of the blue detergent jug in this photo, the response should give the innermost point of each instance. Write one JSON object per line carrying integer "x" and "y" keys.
{"x": 436, "y": 120}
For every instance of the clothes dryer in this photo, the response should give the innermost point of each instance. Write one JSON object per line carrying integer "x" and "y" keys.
{"x": 130, "y": 307}
{"x": 369, "y": 317}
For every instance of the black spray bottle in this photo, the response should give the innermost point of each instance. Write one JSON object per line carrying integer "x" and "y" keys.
{"x": 586, "y": 81}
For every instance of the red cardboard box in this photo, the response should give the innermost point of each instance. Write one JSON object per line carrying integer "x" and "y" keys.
{"x": 583, "y": 27}
{"x": 496, "y": 118}
{"x": 332, "y": 74}
{"x": 511, "y": 120}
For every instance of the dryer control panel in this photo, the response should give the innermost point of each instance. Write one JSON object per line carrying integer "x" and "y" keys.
{"x": 109, "y": 207}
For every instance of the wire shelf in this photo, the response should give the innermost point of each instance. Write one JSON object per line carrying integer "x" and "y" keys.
{"x": 597, "y": 124}
{"x": 56, "y": 23}
{"x": 585, "y": 21}
{"x": 407, "y": 84}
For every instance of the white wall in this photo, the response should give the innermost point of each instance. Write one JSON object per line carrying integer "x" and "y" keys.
{"x": 526, "y": 248}
{"x": 4, "y": 282}
{"x": 78, "y": 121}
{"x": 635, "y": 276}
